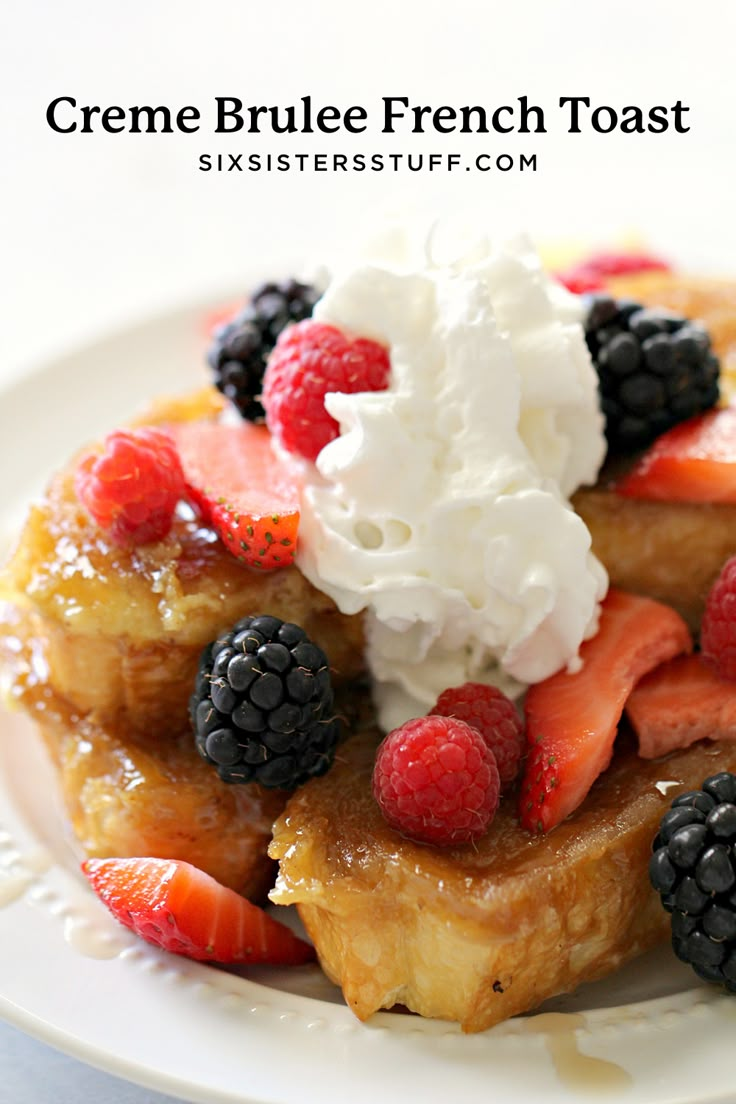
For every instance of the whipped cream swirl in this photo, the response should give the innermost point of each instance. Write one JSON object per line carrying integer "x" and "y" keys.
{"x": 442, "y": 508}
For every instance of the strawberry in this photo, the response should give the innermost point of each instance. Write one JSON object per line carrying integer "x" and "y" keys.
{"x": 243, "y": 490}
{"x": 681, "y": 702}
{"x": 694, "y": 462}
{"x": 572, "y": 718}
{"x": 591, "y": 273}
{"x": 180, "y": 908}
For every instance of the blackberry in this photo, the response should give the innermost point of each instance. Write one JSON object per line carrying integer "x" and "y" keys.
{"x": 262, "y": 708}
{"x": 241, "y": 347}
{"x": 655, "y": 369}
{"x": 693, "y": 868}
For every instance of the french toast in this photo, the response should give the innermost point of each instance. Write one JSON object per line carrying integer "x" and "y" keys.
{"x": 481, "y": 932}
{"x": 118, "y": 631}
{"x": 101, "y": 647}
{"x": 125, "y": 796}
{"x": 671, "y": 551}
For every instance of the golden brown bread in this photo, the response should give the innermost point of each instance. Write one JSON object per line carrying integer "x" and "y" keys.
{"x": 126, "y": 798}
{"x": 485, "y": 931}
{"x": 670, "y": 551}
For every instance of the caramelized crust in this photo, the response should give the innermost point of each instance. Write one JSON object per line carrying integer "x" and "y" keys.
{"x": 478, "y": 933}
{"x": 670, "y": 551}
{"x": 125, "y": 799}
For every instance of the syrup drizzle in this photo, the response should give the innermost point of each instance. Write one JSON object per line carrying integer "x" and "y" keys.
{"x": 86, "y": 934}
{"x": 577, "y": 1071}
{"x": 90, "y": 939}
{"x": 13, "y": 886}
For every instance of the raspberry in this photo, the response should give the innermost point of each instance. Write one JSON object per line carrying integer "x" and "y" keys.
{"x": 310, "y": 359}
{"x": 718, "y": 630}
{"x": 131, "y": 489}
{"x": 487, "y": 709}
{"x": 436, "y": 781}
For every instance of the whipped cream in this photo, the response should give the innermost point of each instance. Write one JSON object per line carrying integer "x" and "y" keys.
{"x": 442, "y": 508}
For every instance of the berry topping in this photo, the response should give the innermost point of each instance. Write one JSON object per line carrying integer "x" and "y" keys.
{"x": 694, "y": 462}
{"x": 679, "y": 703}
{"x": 131, "y": 489}
{"x": 180, "y": 908}
{"x": 591, "y": 273}
{"x": 571, "y": 719}
{"x": 242, "y": 489}
{"x": 262, "y": 709}
{"x": 241, "y": 346}
{"x": 692, "y": 868}
{"x": 487, "y": 709}
{"x": 309, "y": 360}
{"x": 436, "y": 781}
{"x": 718, "y": 630}
{"x": 655, "y": 369}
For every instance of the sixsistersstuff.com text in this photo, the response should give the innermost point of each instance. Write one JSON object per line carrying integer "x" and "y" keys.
{"x": 394, "y": 115}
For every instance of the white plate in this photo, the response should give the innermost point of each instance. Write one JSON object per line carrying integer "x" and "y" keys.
{"x": 75, "y": 978}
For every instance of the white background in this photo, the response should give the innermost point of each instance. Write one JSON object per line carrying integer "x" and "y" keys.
{"x": 98, "y": 229}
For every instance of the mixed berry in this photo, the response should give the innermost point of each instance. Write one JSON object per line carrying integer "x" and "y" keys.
{"x": 591, "y": 273}
{"x": 242, "y": 489}
{"x": 718, "y": 630}
{"x": 240, "y": 347}
{"x": 263, "y": 706}
{"x": 693, "y": 868}
{"x": 309, "y": 360}
{"x": 132, "y": 487}
{"x": 487, "y": 709}
{"x": 655, "y": 369}
{"x": 180, "y": 908}
{"x": 436, "y": 781}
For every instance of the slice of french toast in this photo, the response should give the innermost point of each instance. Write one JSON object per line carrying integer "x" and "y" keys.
{"x": 126, "y": 797}
{"x": 481, "y": 932}
{"x": 671, "y": 551}
{"x": 100, "y": 646}
{"x": 116, "y": 632}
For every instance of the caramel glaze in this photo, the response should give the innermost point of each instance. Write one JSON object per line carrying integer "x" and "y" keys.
{"x": 131, "y": 793}
{"x": 481, "y": 932}
{"x": 668, "y": 550}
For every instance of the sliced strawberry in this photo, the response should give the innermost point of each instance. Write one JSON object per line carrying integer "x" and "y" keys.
{"x": 679, "y": 703}
{"x": 243, "y": 489}
{"x": 572, "y": 718}
{"x": 182, "y": 909}
{"x": 591, "y": 273}
{"x": 694, "y": 462}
